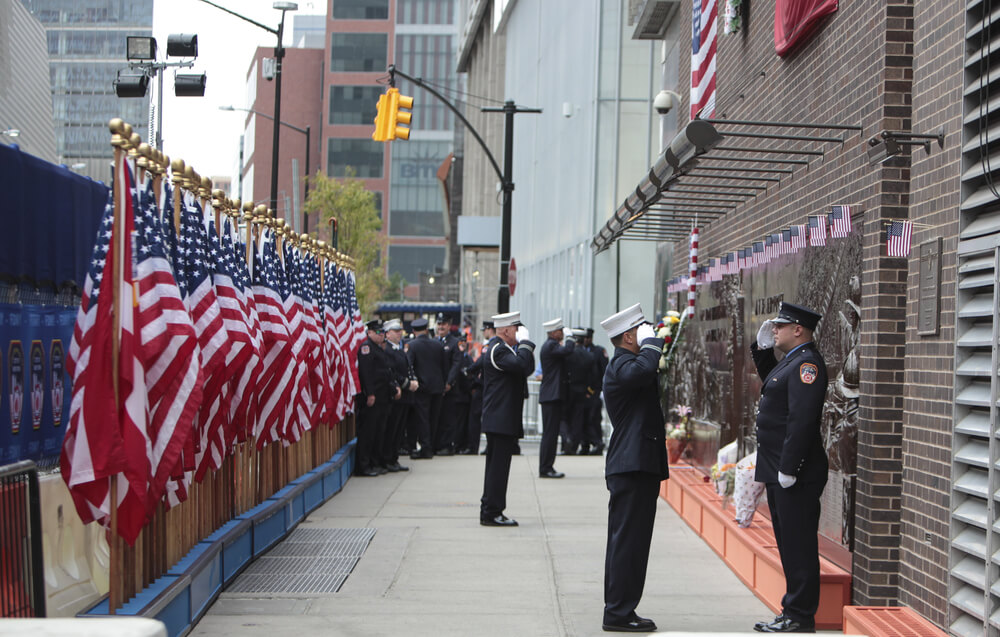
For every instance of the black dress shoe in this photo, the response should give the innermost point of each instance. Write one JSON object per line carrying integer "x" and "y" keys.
{"x": 400, "y": 467}
{"x": 447, "y": 451}
{"x": 366, "y": 473}
{"x": 785, "y": 624}
{"x": 381, "y": 470}
{"x": 420, "y": 455}
{"x": 552, "y": 474}
{"x": 637, "y": 625}
{"x": 465, "y": 452}
{"x": 759, "y": 626}
{"x": 569, "y": 452}
{"x": 597, "y": 451}
{"x": 500, "y": 520}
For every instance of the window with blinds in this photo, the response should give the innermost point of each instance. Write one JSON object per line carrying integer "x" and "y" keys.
{"x": 974, "y": 590}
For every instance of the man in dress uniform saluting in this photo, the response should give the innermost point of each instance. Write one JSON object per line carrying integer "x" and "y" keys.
{"x": 552, "y": 394}
{"x": 377, "y": 390}
{"x": 791, "y": 460}
{"x": 635, "y": 465}
{"x": 428, "y": 360}
{"x": 508, "y": 360}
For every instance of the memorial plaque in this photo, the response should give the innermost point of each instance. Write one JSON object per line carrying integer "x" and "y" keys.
{"x": 930, "y": 288}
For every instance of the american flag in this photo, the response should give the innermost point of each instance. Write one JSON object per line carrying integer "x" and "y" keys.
{"x": 798, "y": 234}
{"x": 786, "y": 241}
{"x": 840, "y": 222}
{"x": 139, "y": 434}
{"x": 769, "y": 248}
{"x": 898, "y": 238}
{"x": 278, "y": 365}
{"x": 758, "y": 254}
{"x": 704, "y": 20}
{"x": 817, "y": 230}
{"x": 298, "y": 410}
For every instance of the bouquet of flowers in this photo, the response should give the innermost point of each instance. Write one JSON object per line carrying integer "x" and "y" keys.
{"x": 724, "y": 477}
{"x": 669, "y": 329}
{"x": 678, "y": 434}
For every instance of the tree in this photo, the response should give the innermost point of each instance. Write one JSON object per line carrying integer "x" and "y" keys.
{"x": 358, "y": 229}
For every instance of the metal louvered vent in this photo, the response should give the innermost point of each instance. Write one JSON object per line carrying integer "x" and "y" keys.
{"x": 308, "y": 561}
{"x": 974, "y": 589}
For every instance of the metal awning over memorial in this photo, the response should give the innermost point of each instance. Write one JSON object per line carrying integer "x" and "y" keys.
{"x": 710, "y": 169}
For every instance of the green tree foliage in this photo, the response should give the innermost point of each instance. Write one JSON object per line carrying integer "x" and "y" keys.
{"x": 358, "y": 229}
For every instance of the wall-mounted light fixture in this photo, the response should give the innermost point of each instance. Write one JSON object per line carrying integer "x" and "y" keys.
{"x": 888, "y": 144}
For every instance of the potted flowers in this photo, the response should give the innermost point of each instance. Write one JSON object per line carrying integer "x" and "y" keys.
{"x": 677, "y": 435}
{"x": 724, "y": 477}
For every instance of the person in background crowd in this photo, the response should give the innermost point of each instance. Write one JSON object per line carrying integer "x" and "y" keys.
{"x": 791, "y": 459}
{"x": 634, "y": 467}
{"x": 594, "y": 414}
{"x": 427, "y": 357}
{"x": 461, "y": 397}
{"x": 580, "y": 366}
{"x": 475, "y": 375}
{"x": 552, "y": 394}
{"x": 507, "y": 362}
{"x": 373, "y": 403}
{"x": 406, "y": 380}
{"x": 444, "y": 440}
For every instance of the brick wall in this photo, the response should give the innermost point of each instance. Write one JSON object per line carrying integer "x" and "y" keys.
{"x": 939, "y": 30}
{"x": 856, "y": 69}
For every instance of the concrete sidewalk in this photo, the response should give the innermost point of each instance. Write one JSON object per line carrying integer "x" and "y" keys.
{"x": 431, "y": 569}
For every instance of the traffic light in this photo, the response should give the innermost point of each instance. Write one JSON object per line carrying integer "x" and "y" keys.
{"x": 397, "y": 116}
{"x": 381, "y": 120}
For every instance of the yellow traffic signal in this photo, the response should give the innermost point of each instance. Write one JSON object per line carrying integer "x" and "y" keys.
{"x": 381, "y": 120}
{"x": 397, "y": 116}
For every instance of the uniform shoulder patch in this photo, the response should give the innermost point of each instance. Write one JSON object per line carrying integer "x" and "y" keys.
{"x": 808, "y": 373}
{"x": 365, "y": 350}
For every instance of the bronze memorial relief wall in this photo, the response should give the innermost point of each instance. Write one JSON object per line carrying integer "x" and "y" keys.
{"x": 713, "y": 373}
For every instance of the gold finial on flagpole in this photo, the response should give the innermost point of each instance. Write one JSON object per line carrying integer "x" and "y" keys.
{"x": 117, "y": 128}
{"x": 142, "y": 156}
{"x": 177, "y": 172}
{"x": 205, "y": 188}
{"x": 134, "y": 141}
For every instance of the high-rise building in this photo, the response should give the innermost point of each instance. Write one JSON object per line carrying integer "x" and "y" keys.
{"x": 86, "y": 44}
{"x": 25, "y": 102}
{"x": 409, "y": 178}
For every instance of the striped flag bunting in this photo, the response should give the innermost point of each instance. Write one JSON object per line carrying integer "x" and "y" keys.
{"x": 704, "y": 21}
{"x": 211, "y": 351}
{"x": 899, "y": 235}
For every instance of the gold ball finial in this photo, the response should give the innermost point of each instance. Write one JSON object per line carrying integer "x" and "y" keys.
{"x": 134, "y": 139}
{"x": 127, "y": 131}
{"x": 260, "y": 210}
{"x": 247, "y": 206}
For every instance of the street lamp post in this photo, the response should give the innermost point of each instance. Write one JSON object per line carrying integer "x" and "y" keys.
{"x": 305, "y": 131}
{"x": 279, "y": 52}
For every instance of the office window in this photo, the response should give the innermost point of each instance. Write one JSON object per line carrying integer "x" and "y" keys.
{"x": 360, "y": 9}
{"x": 433, "y": 58}
{"x": 410, "y": 261}
{"x": 425, "y": 12}
{"x": 358, "y": 52}
{"x": 354, "y": 104}
{"x": 363, "y": 155}
{"x": 416, "y": 205}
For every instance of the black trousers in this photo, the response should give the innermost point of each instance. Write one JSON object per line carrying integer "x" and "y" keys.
{"x": 631, "y": 513}
{"x": 795, "y": 518}
{"x": 475, "y": 425}
{"x": 371, "y": 431}
{"x": 460, "y": 425}
{"x": 499, "y": 450}
{"x": 576, "y": 421}
{"x": 426, "y": 411}
{"x": 552, "y": 415}
{"x": 394, "y": 431}
{"x": 592, "y": 428}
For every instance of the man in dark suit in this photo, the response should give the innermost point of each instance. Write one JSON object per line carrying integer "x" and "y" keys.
{"x": 402, "y": 406}
{"x": 791, "y": 459}
{"x": 552, "y": 394}
{"x": 635, "y": 465}
{"x": 593, "y": 432}
{"x": 580, "y": 369}
{"x": 427, "y": 358}
{"x": 444, "y": 441}
{"x": 377, "y": 390}
{"x": 508, "y": 360}
{"x": 475, "y": 374}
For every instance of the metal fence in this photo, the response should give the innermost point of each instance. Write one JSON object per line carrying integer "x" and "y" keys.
{"x": 22, "y": 577}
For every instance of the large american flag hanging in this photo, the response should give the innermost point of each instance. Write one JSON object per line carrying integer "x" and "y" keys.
{"x": 703, "y": 43}
{"x": 898, "y": 238}
{"x": 840, "y": 222}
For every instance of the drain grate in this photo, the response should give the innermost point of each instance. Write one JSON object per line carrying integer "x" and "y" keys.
{"x": 307, "y": 561}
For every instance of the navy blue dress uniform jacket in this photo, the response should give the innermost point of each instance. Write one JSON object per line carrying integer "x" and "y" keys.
{"x": 505, "y": 385}
{"x": 453, "y": 356}
{"x": 790, "y": 414}
{"x": 374, "y": 371}
{"x": 553, "y": 357}
{"x": 632, "y": 397}
{"x": 402, "y": 373}
{"x": 427, "y": 356}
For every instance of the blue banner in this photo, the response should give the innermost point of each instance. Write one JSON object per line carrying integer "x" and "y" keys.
{"x": 35, "y": 394}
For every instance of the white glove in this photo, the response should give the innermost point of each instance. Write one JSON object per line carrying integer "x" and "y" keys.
{"x": 645, "y": 331}
{"x": 765, "y": 337}
{"x": 568, "y": 336}
{"x": 522, "y": 333}
{"x": 786, "y": 480}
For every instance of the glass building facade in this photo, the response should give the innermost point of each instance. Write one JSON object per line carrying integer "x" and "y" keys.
{"x": 86, "y": 43}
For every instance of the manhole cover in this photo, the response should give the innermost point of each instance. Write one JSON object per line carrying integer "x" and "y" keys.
{"x": 307, "y": 561}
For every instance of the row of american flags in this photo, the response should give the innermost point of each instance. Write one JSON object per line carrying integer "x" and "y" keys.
{"x": 818, "y": 228}
{"x": 213, "y": 348}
